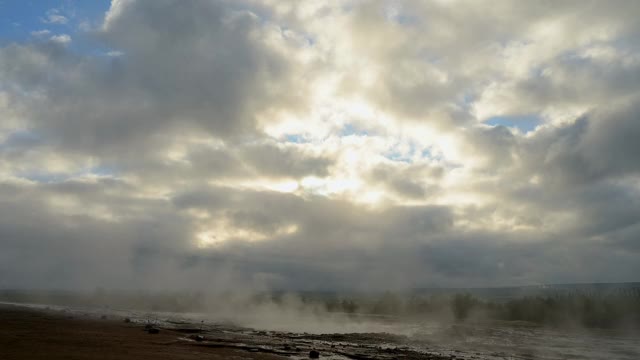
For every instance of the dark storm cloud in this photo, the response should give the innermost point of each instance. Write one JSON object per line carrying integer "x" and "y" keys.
{"x": 48, "y": 245}
{"x": 270, "y": 159}
{"x": 413, "y": 181}
{"x": 597, "y": 146}
{"x": 586, "y": 175}
{"x": 337, "y": 245}
{"x": 233, "y": 161}
{"x": 196, "y": 65}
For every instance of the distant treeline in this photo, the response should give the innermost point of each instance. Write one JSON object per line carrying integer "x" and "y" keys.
{"x": 620, "y": 308}
{"x": 587, "y": 310}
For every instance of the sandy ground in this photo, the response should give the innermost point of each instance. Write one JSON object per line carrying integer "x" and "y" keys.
{"x": 28, "y": 334}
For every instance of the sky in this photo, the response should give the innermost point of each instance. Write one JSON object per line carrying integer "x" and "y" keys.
{"x": 310, "y": 145}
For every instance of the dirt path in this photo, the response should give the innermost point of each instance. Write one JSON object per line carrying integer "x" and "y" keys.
{"x": 27, "y": 334}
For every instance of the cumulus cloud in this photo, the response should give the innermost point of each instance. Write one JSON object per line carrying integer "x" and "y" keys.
{"x": 62, "y": 39}
{"x": 363, "y": 145}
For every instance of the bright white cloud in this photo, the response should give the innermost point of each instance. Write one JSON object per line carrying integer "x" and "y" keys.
{"x": 62, "y": 39}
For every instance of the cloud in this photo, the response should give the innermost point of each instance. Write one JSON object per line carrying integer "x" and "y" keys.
{"x": 53, "y": 16}
{"x": 62, "y": 39}
{"x": 322, "y": 146}
{"x": 216, "y": 81}
{"x": 39, "y": 33}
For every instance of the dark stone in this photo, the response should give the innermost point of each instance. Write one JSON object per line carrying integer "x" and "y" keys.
{"x": 127, "y": 320}
{"x": 103, "y": 317}
{"x": 313, "y": 354}
{"x": 153, "y": 331}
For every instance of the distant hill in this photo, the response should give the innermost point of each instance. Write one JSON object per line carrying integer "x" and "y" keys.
{"x": 511, "y": 292}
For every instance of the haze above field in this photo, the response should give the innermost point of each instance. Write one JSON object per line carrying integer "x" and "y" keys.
{"x": 344, "y": 145}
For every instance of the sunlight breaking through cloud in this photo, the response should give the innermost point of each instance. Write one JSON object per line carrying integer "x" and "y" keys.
{"x": 377, "y": 137}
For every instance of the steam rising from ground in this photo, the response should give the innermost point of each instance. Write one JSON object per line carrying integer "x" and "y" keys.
{"x": 291, "y": 314}
{"x": 455, "y": 324}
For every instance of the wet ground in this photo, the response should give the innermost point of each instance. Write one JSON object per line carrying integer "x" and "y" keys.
{"x": 391, "y": 340}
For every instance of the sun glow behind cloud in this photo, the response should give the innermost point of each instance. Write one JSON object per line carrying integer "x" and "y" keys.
{"x": 386, "y": 132}
{"x": 221, "y": 232}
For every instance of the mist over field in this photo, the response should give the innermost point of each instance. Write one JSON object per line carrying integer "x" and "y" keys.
{"x": 324, "y": 166}
{"x": 590, "y": 321}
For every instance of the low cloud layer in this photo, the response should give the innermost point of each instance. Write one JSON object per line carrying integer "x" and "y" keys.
{"x": 300, "y": 145}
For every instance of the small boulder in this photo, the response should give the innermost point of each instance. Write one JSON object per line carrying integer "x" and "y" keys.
{"x": 313, "y": 354}
{"x": 127, "y": 320}
{"x": 153, "y": 331}
{"x": 103, "y": 317}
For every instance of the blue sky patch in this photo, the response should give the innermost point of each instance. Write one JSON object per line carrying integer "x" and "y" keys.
{"x": 524, "y": 123}
{"x": 350, "y": 129}
{"x": 402, "y": 156}
{"x": 398, "y": 156}
{"x": 52, "y": 178}
{"x": 295, "y": 138}
{"x": 21, "y": 18}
